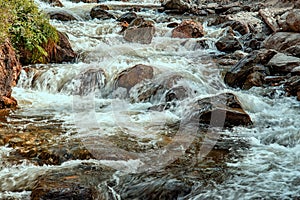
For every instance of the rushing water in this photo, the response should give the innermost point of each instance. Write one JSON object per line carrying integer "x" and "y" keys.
{"x": 48, "y": 95}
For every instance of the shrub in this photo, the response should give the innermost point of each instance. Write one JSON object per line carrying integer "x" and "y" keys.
{"x": 27, "y": 27}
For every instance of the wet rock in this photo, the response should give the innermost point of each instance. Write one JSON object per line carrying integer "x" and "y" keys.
{"x": 293, "y": 20}
{"x": 134, "y": 75}
{"x": 282, "y": 64}
{"x": 188, "y": 29}
{"x": 90, "y": 81}
{"x": 127, "y": 17}
{"x": 179, "y": 6}
{"x": 292, "y": 86}
{"x": 254, "y": 79}
{"x": 249, "y": 71}
{"x": 10, "y": 69}
{"x": 176, "y": 93}
{"x": 98, "y": 13}
{"x": 239, "y": 26}
{"x": 140, "y": 31}
{"x": 251, "y": 19}
{"x": 274, "y": 80}
{"x": 155, "y": 89}
{"x": 84, "y": 181}
{"x": 172, "y": 25}
{"x": 55, "y": 3}
{"x": 223, "y": 110}
{"x": 281, "y": 41}
{"x": 293, "y": 50}
{"x": 296, "y": 71}
{"x": 85, "y": 1}
{"x": 61, "y": 15}
{"x": 269, "y": 18}
{"x": 62, "y": 52}
{"x": 228, "y": 43}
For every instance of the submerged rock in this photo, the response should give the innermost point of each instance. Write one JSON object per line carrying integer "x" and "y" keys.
{"x": 188, "y": 29}
{"x": 90, "y": 81}
{"x": 140, "y": 31}
{"x": 10, "y": 69}
{"x": 78, "y": 182}
{"x": 223, "y": 110}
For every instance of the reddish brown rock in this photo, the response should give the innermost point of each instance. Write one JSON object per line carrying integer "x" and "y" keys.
{"x": 140, "y": 31}
{"x": 292, "y": 86}
{"x": 10, "y": 69}
{"x": 249, "y": 71}
{"x": 269, "y": 18}
{"x": 293, "y": 20}
{"x": 223, "y": 110}
{"x": 228, "y": 43}
{"x": 282, "y": 64}
{"x": 188, "y": 29}
{"x": 134, "y": 75}
{"x": 62, "y": 52}
{"x": 179, "y": 6}
{"x": 281, "y": 41}
{"x": 78, "y": 182}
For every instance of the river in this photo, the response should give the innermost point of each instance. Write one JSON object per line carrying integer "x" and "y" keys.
{"x": 112, "y": 124}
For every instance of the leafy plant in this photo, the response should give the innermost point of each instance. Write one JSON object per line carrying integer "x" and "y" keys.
{"x": 27, "y": 27}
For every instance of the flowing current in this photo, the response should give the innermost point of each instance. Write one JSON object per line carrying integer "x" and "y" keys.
{"x": 53, "y": 97}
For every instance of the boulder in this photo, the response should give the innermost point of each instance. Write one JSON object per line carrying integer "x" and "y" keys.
{"x": 62, "y": 51}
{"x": 134, "y": 75}
{"x": 127, "y": 17}
{"x": 293, "y": 50}
{"x": 188, "y": 29}
{"x": 282, "y": 64}
{"x": 55, "y": 3}
{"x": 61, "y": 15}
{"x": 223, "y": 110}
{"x": 57, "y": 52}
{"x": 10, "y": 69}
{"x": 281, "y": 41}
{"x": 98, "y": 13}
{"x": 292, "y": 86}
{"x": 296, "y": 71}
{"x": 293, "y": 20}
{"x": 249, "y": 71}
{"x": 140, "y": 31}
{"x": 269, "y": 18}
{"x": 228, "y": 43}
{"x": 180, "y": 6}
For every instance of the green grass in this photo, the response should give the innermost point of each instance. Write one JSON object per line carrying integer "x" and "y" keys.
{"x": 26, "y": 27}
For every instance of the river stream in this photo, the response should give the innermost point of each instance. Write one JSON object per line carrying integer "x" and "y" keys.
{"x": 124, "y": 133}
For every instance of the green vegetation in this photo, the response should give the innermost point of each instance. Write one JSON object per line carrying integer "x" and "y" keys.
{"x": 28, "y": 29}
